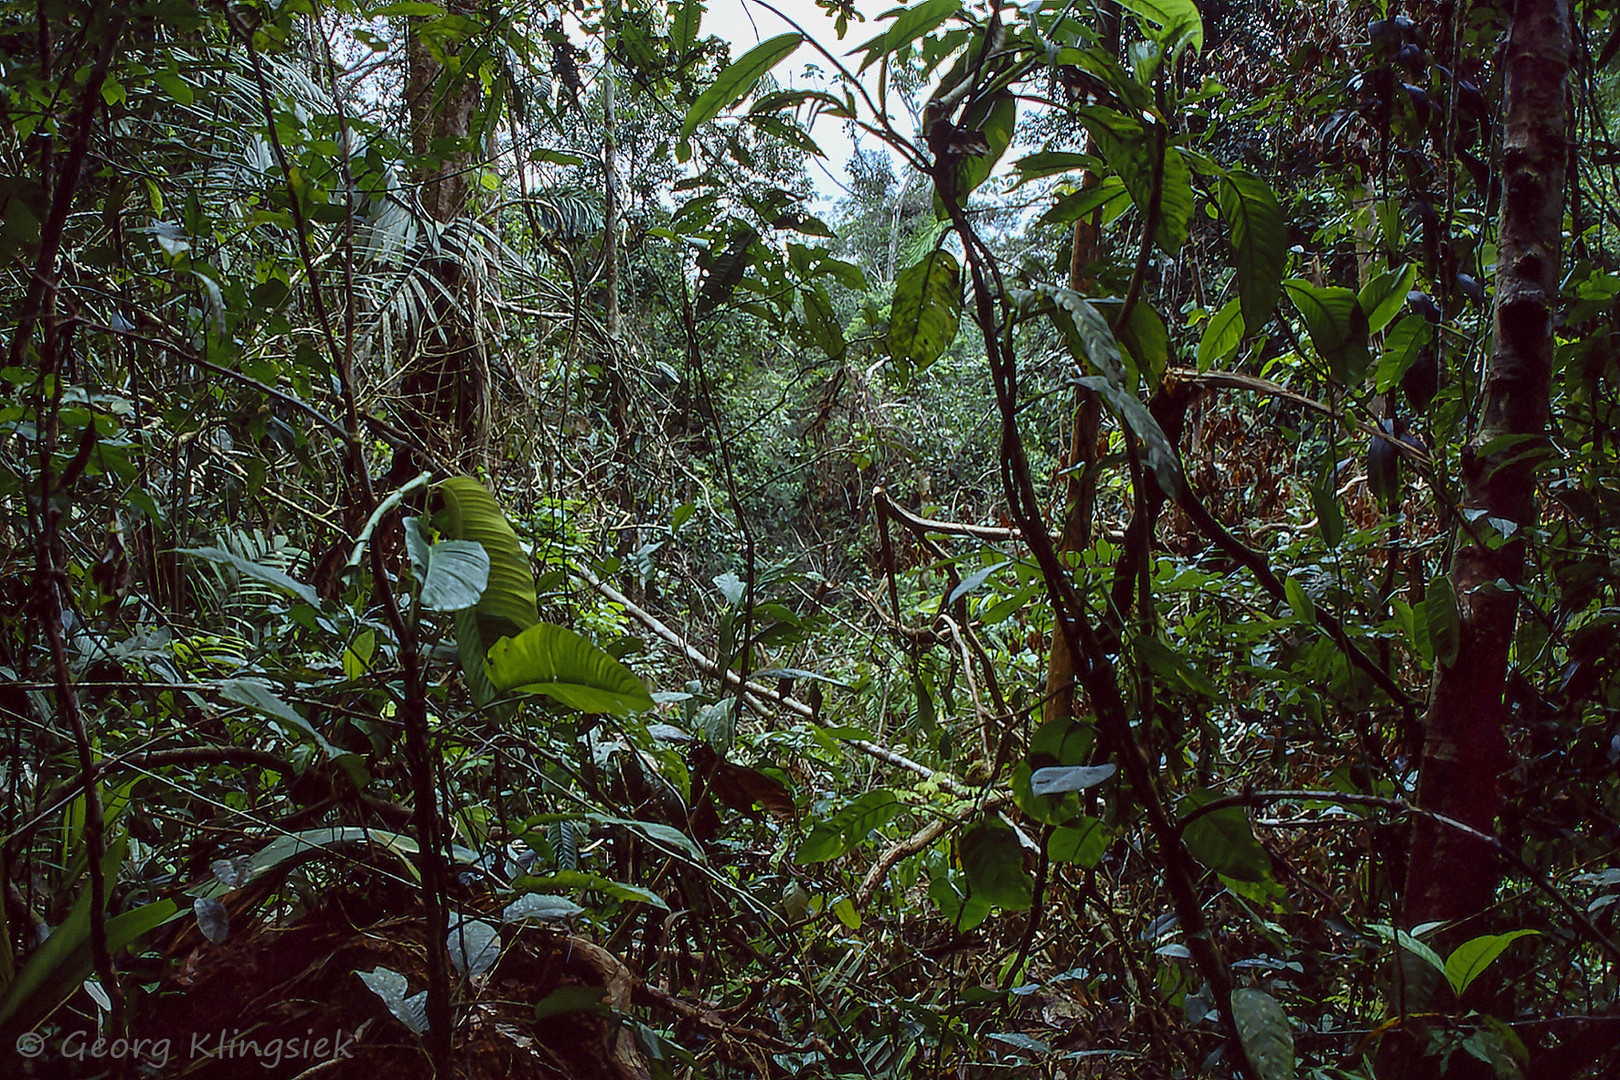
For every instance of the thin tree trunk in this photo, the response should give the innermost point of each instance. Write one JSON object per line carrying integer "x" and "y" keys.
{"x": 1453, "y": 878}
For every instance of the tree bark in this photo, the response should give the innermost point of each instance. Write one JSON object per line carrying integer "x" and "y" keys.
{"x": 1452, "y": 878}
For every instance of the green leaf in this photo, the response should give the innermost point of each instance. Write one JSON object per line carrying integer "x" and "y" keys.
{"x": 1411, "y": 945}
{"x": 1174, "y": 16}
{"x": 849, "y": 827}
{"x": 1058, "y": 779}
{"x": 1091, "y": 343}
{"x": 994, "y": 862}
{"x": 924, "y": 314}
{"x": 567, "y": 999}
{"x": 1402, "y": 347}
{"x": 684, "y": 27}
{"x": 258, "y": 698}
{"x": 1129, "y": 148}
{"x": 909, "y": 24}
{"x": 1259, "y": 240}
{"x": 1082, "y": 843}
{"x": 258, "y": 572}
{"x": 1337, "y": 325}
{"x": 1470, "y": 959}
{"x": 579, "y": 880}
{"x": 996, "y": 127}
{"x": 457, "y": 574}
{"x": 507, "y": 605}
{"x": 1304, "y": 610}
{"x": 737, "y": 80}
{"x": 1222, "y": 839}
{"x": 1443, "y": 619}
{"x": 1222, "y": 336}
{"x": 1146, "y": 340}
{"x": 1263, "y": 1026}
{"x": 1161, "y": 453}
{"x": 553, "y": 660}
{"x": 1384, "y": 296}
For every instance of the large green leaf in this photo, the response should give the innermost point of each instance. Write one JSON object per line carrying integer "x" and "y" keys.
{"x": 553, "y": 660}
{"x": 734, "y": 82}
{"x": 849, "y": 827}
{"x": 507, "y": 605}
{"x": 1384, "y": 296}
{"x": 1129, "y": 147}
{"x": 1403, "y": 345}
{"x": 994, "y": 862}
{"x": 684, "y": 26}
{"x": 1222, "y": 839}
{"x": 1173, "y": 15}
{"x": 457, "y": 575}
{"x": 910, "y": 23}
{"x": 1259, "y": 240}
{"x": 1266, "y": 1034}
{"x": 258, "y": 697}
{"x": 1337, "y": 325}
{"x": 996, "y": 127}
{"x": 1147, "y": 341}
{"x": 1470, "y": 959}
{"x": 926, "y": 309}
{"x": 1222, "y": 336}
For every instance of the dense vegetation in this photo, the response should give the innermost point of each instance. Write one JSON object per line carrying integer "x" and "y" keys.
{"x": 499, "y": 580}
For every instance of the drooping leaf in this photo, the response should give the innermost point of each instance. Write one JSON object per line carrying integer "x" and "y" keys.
{"x": 1267, "y": 1036}
{"x": 1469, "y": 960}
{"x": 1402, "y": 347}
{"x": 269, "y": 575}
{"x": 1443, "y": 619}
{"x": 994, "y": 862}
{"x": 457, "y": 575}
{"x": 1161, "y": 453}
{"x": 1130, "y": 148}
{"x": 1384, "y": 296}
{"x": 567, "y": 999}
{"x": 1222, "y": 336}
{"x": 580, "y": 880}
{"x": 1146, "y": 341}
{"x": 553, "y": 660}
{"x": 1173, "y": 16}
{"x": 1259, "y": 240}
{"x": 507, "y": 605}
{"x": 1082, "y": 843}
{"x": 1091, "y": 343}
{"x": 257, "y": 696}
{"x": 1222, "y": 839}
{"x": 735, "y": 81}
{"x": 849, "y": 827}
{"x": 925, "y": 312}
{"x": 910, "y": 23}
{"x": 996, "y": 128}
{"x": 1337, "y": 326}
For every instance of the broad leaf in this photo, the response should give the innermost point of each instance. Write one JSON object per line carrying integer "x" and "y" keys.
{"x": 1082, "y": 843}
{"x": 553, "y": 660}
{"x": 507, "y": 605}
{"x": 1470, "y": 959}
{"x": 1222, "y": 839}
{"x": 1057, "y": 779}
{"x": 926, "y": 310}
{"x": 1384, "y": 296}
{"x": 849, "y": 827}
{"x": 994, "y": 862}
{"x": 1337, "y": 326}
{"x": 1443, "y": 619}
{"x": 1263, "y": 1026}
{"x": 1130, "y": 148}
{"x": 1259, "y": 240}
{"x": 734, "y": 82}
{"x": 1174, "y": 16}
{"x": 1222, "y": 336}
{"x": 1161, "y": 453}
{"x": 457, "y": 574}
{"x": 910, "y": 23}
{"x": 258, "y": 698}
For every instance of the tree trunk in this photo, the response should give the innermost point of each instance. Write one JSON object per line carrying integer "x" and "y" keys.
{"x": 1452, "y": 878}
{"x": 445, "y": 392}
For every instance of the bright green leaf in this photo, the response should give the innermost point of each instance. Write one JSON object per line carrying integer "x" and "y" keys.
{"x": 553, "y": 660}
